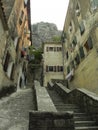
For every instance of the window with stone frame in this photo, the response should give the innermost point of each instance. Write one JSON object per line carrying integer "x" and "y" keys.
{"x": 67, "y": 55}
{"x": 81, "y": 51}
{"x": 68, "y": 69}
{"x": 70, "y": 27}
{"x": 46, "y": 68}
{"x": 77, "y": 9}
{"x": 82, "y": 28}
{"x": 51, "y": 68}
{"x": 88, "y": 45}
{"x": 51, "y": 48}
{"x": 12, "y": 72}
{"x": 6, "y": 61}
{"x": 60, "y": 68}
{"x": 59, "y": 48}
{"x": 77, "y": 59}
{"x": 74, "y": 42}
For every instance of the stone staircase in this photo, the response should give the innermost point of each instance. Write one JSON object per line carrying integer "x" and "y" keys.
{"x": 82, "y": 121}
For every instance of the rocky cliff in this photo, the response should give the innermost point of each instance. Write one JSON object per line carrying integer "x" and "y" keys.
{"x": 44, "y": 32}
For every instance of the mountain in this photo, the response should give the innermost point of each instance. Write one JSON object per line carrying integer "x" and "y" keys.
{"x": 44, "y": 32}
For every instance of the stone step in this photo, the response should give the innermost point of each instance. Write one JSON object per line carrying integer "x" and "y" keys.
{"x": 67, "y": 106}
{"x": 84, "y": 123}
{"x": 87, "y": 128}
{"x": 80, "y": 114}
{"x": 67, "y": 109}
{"x": 82, "y": 118}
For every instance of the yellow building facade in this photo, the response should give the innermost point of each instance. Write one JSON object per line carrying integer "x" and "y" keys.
{"x": 80, "y": 43}
{"x": 52, "y": 62}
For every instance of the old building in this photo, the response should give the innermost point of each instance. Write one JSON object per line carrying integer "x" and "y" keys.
{"x": 52, "y": 61}
{"x": 3, "y": 45}
{"x": 16, "y": 43}
{"x": 80, "y": 44}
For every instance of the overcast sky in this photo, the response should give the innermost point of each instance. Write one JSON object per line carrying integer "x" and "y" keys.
{"x": 52, "y": 11}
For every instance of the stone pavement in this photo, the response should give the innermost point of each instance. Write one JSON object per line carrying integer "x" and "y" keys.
{"x": 14, "y": 110}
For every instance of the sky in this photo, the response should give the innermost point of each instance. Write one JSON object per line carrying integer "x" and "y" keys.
{"x": 52, "y": 11}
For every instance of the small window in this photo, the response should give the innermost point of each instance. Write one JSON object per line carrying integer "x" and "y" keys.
{"x": 68, "y": 70}
{"x": 74, "y": 42}
{"x": 59, "y": 49}
{"x": 61, "y": 68}
{"x": 67, "y": 56}
{"x": 77, "y": 10}
{"x": 46, "y": 68}
{"x": 6, "y": 61}
{"x": 51, "y": 68}
{"x": 82, "y": 28}
{"x": 88, "y": 45}
{"x": 81, "y": 52}
{"x": 70, "y": 27}
{"x": 77, "y": 59}
{"x": 20, "y": 21}
{"x": 50, "y": 48}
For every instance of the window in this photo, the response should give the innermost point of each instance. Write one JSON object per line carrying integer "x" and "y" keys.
{"x": 51, "y": 68}
{"x": 54, "y": 68}
{"x": 60, "y": 68}
{"x": 21, "y": 17}
{"x": 67, "y": 56}
{"x": 81, "y": 52}
{"x": 46, "y": 68}
{"x": 94, "y": 4}
{"x": 59, "y": 48}
{"x": 74, "y": 42}
{"x": 50, "y": 48}
{"x": 82, "y": 28}
{"x": 77, "y": 10}
{"x": 88, "y": 45}
{"x": 12, "y": 72}
{"x": 6, "y": 62}
{"x": 77, "y": 59}
{"x": 68, "y": 70}
{"x": 20, "y": 21}
{"x": 70, "y": 27}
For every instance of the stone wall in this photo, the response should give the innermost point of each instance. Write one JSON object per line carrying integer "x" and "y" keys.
{"x": 51, "y": 121}
{"x": 46, "y": 116}
{"x": 87, "y": 100}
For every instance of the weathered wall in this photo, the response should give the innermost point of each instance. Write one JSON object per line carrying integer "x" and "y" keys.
{"x": 86, "y": 69}
{"x": 86, "y": 75}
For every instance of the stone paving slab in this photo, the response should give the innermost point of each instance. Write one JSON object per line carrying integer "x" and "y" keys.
{"x": 14, "y": 110}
